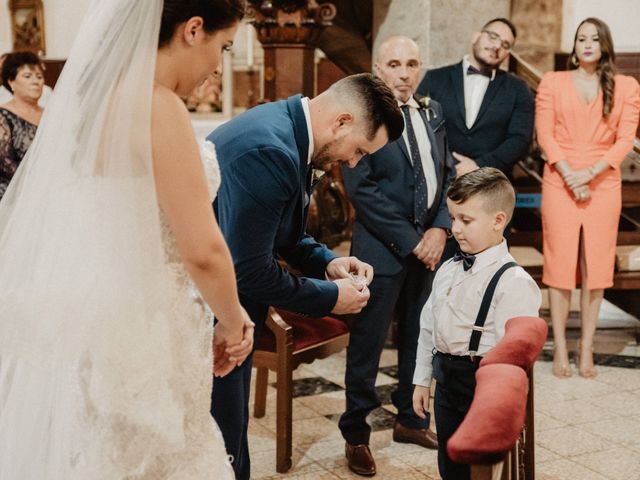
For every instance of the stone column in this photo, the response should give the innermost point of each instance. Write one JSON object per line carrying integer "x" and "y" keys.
{"x": 288, "y": 31}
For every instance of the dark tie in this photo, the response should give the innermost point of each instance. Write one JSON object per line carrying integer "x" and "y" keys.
{"x": 467, "y": 259}
{"x": 474, "y": 71}
{"x": 420, "y": 192}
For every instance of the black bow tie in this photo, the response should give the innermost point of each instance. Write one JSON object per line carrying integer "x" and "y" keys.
{"x": 471, "y": 70}
{"x": 467, "y": 259}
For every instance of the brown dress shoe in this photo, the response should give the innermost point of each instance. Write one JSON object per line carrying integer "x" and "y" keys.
{"x": 360, "y": 459}
{"x": 419, "y": 436}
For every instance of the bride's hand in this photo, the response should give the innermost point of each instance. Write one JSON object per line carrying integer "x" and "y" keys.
{"x": 232, "y": 344}
{"x": 240, "y": 351}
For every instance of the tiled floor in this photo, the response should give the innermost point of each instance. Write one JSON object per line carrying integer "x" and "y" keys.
{"x": 585, "y": 429}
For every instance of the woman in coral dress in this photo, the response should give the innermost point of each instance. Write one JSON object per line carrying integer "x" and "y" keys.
{"x": 586, "y": 120}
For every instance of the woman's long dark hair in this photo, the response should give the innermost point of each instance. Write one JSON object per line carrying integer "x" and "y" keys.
{"x": 606, "y": 65}
{"x": 216, "y": 14}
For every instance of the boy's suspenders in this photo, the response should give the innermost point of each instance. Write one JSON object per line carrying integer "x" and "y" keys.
{"x": 478, "y": 327}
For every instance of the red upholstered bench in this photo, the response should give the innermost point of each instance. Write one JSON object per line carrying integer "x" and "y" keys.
{"x": 502, "y": 403}
{"x": 289, "y": 340}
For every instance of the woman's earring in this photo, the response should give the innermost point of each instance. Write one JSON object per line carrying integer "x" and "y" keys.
{"x": 574, "y": 59}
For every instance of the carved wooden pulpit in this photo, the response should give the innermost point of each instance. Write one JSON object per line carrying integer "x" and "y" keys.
{"x": 288, "y": 31}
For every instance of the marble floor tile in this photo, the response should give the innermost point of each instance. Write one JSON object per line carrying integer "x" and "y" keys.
{"x": 263, "y": 465}
{"x": 625, "y": 404}
{"x": 391, "y": 371}
{"x": 424, "y": 460}
{"x": 543, "y": 455}
{"x": 389, "y": 357}
{"x": 300, "y": 412}
{"x": 313, "y": 386}
{"x": 382, "y": 444}
{"x": 564, "y": 469}
{"x": 542, "y": 421}
{"x": 625, "y": 379}
{"x": 313, "y": 430}
{"x": 326, "y": 403}
{"x": 616, "y": 463}
{"x": 388, "y": 469}
{"x": 260, "y": 438}
{"x": 621, "y": 430}
{"x": 570, "y": 441}
{"x": 383, "y": 379}
{"x": 575, "y": 412}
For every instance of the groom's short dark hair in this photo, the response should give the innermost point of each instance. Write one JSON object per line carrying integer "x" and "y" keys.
{"x": 376, "y": 101}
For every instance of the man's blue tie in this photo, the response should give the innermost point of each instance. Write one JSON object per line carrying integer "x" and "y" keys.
{"x": 420, "y": 192}
{"x": 467, "y": 259}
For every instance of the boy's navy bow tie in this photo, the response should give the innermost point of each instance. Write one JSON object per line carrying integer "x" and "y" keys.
{"x": 467, "y": 259}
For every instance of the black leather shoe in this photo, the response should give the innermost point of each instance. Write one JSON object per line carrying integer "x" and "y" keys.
{"x": 360, "y": 459}
{"x": 418, "y": 436}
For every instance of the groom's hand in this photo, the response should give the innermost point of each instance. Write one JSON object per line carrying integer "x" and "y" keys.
{"x": 352, "y": 296}
{"x": 345, "y": 267}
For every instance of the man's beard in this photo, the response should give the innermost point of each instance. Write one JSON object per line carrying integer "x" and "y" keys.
{"x": 484, "y": 65}
{"x": 323, "y": 160}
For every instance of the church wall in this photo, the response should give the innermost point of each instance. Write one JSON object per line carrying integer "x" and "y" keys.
{"x": 62, "y": 19}
{"x": 621, "y": 16}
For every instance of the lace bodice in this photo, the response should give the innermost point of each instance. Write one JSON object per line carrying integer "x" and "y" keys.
{"x": 16, "y": 135}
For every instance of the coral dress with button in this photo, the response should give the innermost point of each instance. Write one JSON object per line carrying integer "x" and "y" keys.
{"x": 570, "y": 129}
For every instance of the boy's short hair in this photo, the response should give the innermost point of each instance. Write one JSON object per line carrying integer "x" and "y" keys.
{"x": 488, "y": 182}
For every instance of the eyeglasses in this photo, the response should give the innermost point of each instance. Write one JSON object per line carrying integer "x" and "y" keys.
{"x": 493, "y": 36}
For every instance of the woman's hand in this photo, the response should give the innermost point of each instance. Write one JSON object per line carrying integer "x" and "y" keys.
{"x": 232, "y": 343}
{"x": 582, "y": 193}
{"x": 577, "y": 178}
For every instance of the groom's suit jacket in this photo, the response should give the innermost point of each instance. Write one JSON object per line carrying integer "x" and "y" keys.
{"x": 262, "y": 210}
{"x": 381, "y": 190}
{"x": 502, "y": 131}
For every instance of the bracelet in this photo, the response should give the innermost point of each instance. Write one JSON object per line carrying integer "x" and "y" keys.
{"x": 592, "y": 171}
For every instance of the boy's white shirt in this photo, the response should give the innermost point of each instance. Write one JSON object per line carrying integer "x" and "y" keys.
{"x": 448, "y": 316}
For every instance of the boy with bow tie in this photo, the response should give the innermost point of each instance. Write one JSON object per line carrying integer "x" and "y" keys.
{"x": 473, "y": 296}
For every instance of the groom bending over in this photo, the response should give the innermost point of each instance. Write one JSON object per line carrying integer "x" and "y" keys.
{"x": 268, "y": 157}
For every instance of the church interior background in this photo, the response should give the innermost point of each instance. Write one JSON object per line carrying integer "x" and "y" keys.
{"x": 584, "y": 429}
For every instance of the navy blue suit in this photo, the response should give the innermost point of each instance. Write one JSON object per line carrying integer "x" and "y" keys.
{"x": 502, "y": 131}
{"x": 381, "y": 188}
{"x": 262, "y": 210}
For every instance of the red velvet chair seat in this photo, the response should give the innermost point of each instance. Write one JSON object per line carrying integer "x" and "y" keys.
{"x": 307, "y": 331}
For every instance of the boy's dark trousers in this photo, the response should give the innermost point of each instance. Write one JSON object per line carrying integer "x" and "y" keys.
{"x": 455, "y": 385}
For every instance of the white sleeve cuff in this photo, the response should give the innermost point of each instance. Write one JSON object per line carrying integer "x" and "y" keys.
{"x": 422, "y": 375}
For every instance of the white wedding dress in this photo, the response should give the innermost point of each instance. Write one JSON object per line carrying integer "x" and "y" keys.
{"x": 204, "y": 455}
{"x": 105, "y": 344}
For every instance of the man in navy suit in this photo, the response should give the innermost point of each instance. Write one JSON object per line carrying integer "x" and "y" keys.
{"x": 489, "y": 112}
{"x": 399, "y": 194}
{"x": 268, "y": 157}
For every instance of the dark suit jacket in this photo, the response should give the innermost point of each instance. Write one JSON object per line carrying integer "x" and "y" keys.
{"x": 502, "y": 132}
{"x": 262, "y": 210}
{"x": 381, "y": 189}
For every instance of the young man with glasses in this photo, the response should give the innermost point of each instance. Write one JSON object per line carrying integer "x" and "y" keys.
{"x": 488, "y": 112}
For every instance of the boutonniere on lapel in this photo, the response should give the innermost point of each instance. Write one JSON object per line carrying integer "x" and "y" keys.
{"x": 425, "y": 102}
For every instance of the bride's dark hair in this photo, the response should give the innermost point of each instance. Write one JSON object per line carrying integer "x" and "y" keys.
{"x": 217, "y": 15}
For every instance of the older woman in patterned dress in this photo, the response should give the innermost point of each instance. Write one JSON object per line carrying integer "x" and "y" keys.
{"x": 22, "y": 75}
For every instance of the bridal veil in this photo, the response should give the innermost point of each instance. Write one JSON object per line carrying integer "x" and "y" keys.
{"x": 85, "y": 350}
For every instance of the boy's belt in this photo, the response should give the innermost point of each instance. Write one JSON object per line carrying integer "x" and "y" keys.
{"x": 458, "y": 358}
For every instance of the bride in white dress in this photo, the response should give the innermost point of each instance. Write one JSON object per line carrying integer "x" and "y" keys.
{"x": 111, "y": 260}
